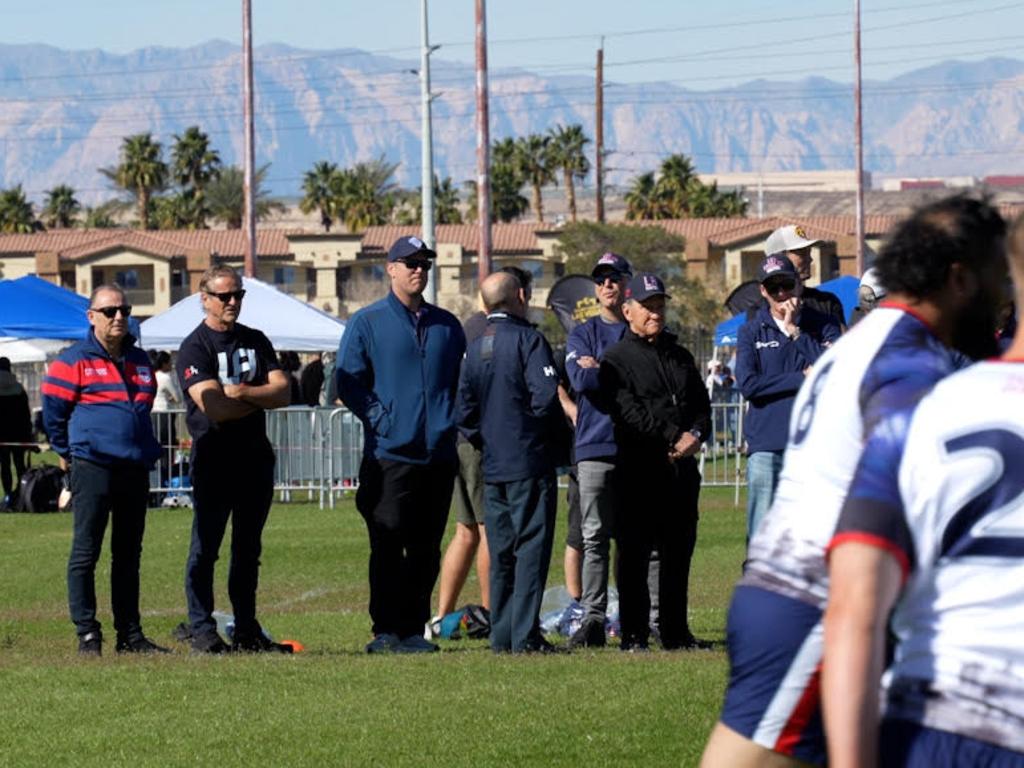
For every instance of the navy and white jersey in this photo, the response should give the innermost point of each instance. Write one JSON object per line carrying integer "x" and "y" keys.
{"x": 942, "y": 489}
{"x": 888, "y": 361}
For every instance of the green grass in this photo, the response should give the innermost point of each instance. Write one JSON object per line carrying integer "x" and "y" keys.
{"x": 334, "y": 705}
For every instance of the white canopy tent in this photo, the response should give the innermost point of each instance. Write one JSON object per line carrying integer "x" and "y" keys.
{"x": 30, "y": 350}
{"x": 289, "y": 323}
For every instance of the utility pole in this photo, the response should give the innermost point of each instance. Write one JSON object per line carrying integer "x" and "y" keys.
{"x": 599, "y": 134}
{"x": 483, "y": 146}
{"x": 859, "y": 140}
{"x": 427, "y": 149}
{"x": 249, "y": 160}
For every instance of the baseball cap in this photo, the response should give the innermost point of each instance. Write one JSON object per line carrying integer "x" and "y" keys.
{"x": 870, "y": 281}
{"x": 775, "y": 265}
{"x": 612, "y": 262}
{"x": 645, "y": 285}
{"x": 406, "y": 247}
{"x": 789, "y": 238}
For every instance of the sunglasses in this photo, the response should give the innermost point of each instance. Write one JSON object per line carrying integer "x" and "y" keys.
{"x": 615, "y": 277}
{"x": 110, "y": 312}
{"x": 413, "y": 264}
{"x": 784, "y": 284}
{"x": 227, "y": 296}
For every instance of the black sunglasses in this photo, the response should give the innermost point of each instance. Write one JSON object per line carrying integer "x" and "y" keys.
{"x": 615, "y": 277}
{"x": 109, "y": 312}
{"x": 782, "y": 284}
{"x": 414, "y": 264}
{"x": 227, "y": 296}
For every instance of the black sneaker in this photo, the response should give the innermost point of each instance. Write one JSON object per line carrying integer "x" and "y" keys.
{"x": 90, "y": 644}
{"x": 634, "y": 645}
{"x": 209, "y": 642}
{"x": 257, "y": 642}
{"x": 540, "y": 645}
{"x": 139, "y": 644}
{"x": 691, "y": 643}
{"x": 589, "y": 635}
{"x": 182, "y": 633}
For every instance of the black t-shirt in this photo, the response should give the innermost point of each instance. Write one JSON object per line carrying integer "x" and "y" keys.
{"x": 241, "y": 355}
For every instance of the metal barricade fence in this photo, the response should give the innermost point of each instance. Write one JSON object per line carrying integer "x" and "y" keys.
{"x": 721, "y": 459}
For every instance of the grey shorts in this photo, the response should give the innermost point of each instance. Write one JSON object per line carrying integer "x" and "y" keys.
{"x": 469, "y": 486}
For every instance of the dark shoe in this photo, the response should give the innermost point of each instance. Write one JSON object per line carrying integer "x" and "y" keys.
{"x": 691, "y": 643}
{"x": 139, "y": 644}
{"x": 634, "y": 645}
{"x": 540, "y": 645}
{"x": 387, "y": 642}
{"x": 182, "y": 633}
{"x": 209, "y": 642}
{"x": 589, "y": 635}
{"x": 90, "y": 644}
{"x": 417, "y": 644}
{"x": 256, "y": 642}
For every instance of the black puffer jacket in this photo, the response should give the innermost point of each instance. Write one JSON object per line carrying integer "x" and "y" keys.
{"x": 655, "y": 394}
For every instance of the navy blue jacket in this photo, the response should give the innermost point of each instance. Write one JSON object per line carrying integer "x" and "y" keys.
{"x": 508, "y": 400}
{"x": 399, "y": 379}
{"x": 595, "y": 433}
{"x": 96, "y": 411}
{"x": 769, "y": 372}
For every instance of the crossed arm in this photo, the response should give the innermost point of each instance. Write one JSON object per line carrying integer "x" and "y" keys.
{"x": 235, "y": 401}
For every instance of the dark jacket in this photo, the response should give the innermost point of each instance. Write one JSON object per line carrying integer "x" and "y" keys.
{"x": 399, "y": 379}
{"x": 508, "y": 400}
{"x": 95, "y": 411}
{"x": 595, "y": 434}
{"x": 770, "y": 370}
{"x": 15, "y": 415}
{"x": 655, "y": 393}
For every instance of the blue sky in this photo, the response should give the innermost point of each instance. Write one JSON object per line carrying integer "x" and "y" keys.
{"x": 701, "y": 45}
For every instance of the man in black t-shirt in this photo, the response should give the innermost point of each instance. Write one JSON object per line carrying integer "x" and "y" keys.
{"x": 230, "y": 375}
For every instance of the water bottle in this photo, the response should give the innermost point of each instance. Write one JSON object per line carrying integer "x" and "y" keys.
{"x": 225, "y": 624}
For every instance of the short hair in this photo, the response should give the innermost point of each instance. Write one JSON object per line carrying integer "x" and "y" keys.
{"x": 219, "y": 270}
{"x": 916, "y": 258}
{"x": 5, "y": 364}
{"x": 525, "y": 278}
{"x": 105, "y": 287}
{"x": 159, "y": 358}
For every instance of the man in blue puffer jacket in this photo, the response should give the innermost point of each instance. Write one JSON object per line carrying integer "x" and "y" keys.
{"x": 97, "y": 397}
{"x": 508, "y": 407}
{"x": 774, "y": 352}
{"x": 397, "y": 371}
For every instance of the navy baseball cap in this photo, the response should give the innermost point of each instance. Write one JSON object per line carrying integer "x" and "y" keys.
{"x": 644, "y": 286}
{"x": 410, "y": 247}
{"x": 776, "y": 265}
{"x": 612, "y": 262}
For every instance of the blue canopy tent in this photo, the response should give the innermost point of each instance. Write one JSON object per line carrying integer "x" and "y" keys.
{"x": 727, "y": 331}
{"x": 32, "y": 308}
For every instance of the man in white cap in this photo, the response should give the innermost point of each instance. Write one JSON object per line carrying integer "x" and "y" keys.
{"x": 792, "y": 241}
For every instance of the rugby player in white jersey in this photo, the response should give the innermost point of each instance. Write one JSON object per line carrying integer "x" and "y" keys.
{"x": 935, "y": 267}
{"x": 934, "y": 525}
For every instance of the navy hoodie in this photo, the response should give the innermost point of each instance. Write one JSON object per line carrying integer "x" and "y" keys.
{"x": 595, "y": 434}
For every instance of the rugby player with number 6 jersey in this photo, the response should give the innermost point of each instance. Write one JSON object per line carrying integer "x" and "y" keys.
{"x": 944, "y": 270}
{"x": 934, "y": 525}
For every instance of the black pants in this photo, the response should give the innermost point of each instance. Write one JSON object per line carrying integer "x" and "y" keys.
{"x": 99, "y": 492}
{"x": 662, "y": 516}
{"x": 240, "y": 486}
{"x": 405, "y": 507}
{"x": 7, "y": 455}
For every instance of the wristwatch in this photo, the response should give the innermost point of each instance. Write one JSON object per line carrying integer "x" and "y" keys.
{"x": 697, "y": 433}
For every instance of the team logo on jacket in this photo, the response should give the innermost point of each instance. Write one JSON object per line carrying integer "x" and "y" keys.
{"x": 190, "y": 372}
{"x": 765, "y": 344}
{"x": 145, "y": 375}
{"x": 549, "y": 370}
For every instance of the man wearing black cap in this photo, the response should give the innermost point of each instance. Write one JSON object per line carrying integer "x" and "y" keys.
{"x": 398, "y": 371}
{"x": 662, "y": 415}
{"x": 774, "y": 352}
{"x": 595, "y": 441}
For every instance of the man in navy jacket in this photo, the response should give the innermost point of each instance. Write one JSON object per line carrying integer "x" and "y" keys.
{"x": 97, "y": 396}
{"x": 398, "y": 369}
{"x": 508, "y": 405}
{"x": 774, "y": 352}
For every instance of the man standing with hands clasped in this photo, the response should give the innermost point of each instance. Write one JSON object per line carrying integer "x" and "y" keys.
{"x": 230, "y": 375}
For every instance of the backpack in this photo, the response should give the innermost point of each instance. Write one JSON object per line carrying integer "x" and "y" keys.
{"x": 40, "y": 488}
{"x": 472, "y": 621}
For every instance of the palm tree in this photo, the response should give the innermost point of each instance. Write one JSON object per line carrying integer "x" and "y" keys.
{"x": 533, "y": 156}
{"x": 141, "y": 171}
{"x": 61, "y": 207}
{"x": 317, "y": 192}
{"x": 507, "y": 204}
{"x": 674, "y": 185}
{"x": 642, "y": 199}
{"x": 567, "y": 143}
{"x": 409, "y": 208}
{"x": 225, "y": 196}
{"x": 102, "y": 216}
{"x": 16, "y": 215}
{"x": 366, "y": 194}
{"x": 193, "y": 163}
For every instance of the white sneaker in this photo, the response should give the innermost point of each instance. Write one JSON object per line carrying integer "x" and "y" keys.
{"x": 416, "y": 644}
{"x": 432, "y": 628}
{"x": 386, "y": 643}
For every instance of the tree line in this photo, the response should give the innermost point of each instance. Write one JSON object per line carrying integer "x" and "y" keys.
{"x": 194, "y": 188}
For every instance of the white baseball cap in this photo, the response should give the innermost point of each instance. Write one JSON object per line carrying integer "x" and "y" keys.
{"x": 788, "y": 238}
{"x": 870, "y": 280}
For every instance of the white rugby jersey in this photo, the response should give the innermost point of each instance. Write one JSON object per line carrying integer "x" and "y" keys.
{"x": 888, "y": 360}
{"x": 943, "y": 491}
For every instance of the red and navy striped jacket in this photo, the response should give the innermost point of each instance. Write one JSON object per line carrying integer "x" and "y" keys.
{"x": 93, "y": 410}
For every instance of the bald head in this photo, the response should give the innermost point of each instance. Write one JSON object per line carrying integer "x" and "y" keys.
{"x": 502, "y": 291}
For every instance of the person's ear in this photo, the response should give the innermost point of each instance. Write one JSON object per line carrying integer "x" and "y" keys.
{"x": 962, "y": 282}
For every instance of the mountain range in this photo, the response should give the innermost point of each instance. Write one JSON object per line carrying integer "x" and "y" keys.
{"x": 64, "y": 113}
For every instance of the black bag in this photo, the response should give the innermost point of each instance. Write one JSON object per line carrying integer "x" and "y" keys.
{"x": 40, "y": 489}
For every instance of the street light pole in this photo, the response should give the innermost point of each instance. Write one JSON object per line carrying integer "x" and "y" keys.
{"x": 859, "y": 140}
{"x": 483, "y": 147}
{"x": 427, "y": 149}
{"x": 249, "y": 159}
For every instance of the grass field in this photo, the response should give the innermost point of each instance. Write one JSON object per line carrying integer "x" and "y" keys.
{"x": 332, "y": 704}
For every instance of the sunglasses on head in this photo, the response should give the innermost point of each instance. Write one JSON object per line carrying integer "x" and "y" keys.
{"x": 226, "y": 296}
{"x": 615, "y": 277}
{"x": 110, "y": 312}
{"x": 414, "y": 264}
{"x": 780, "y": 284}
